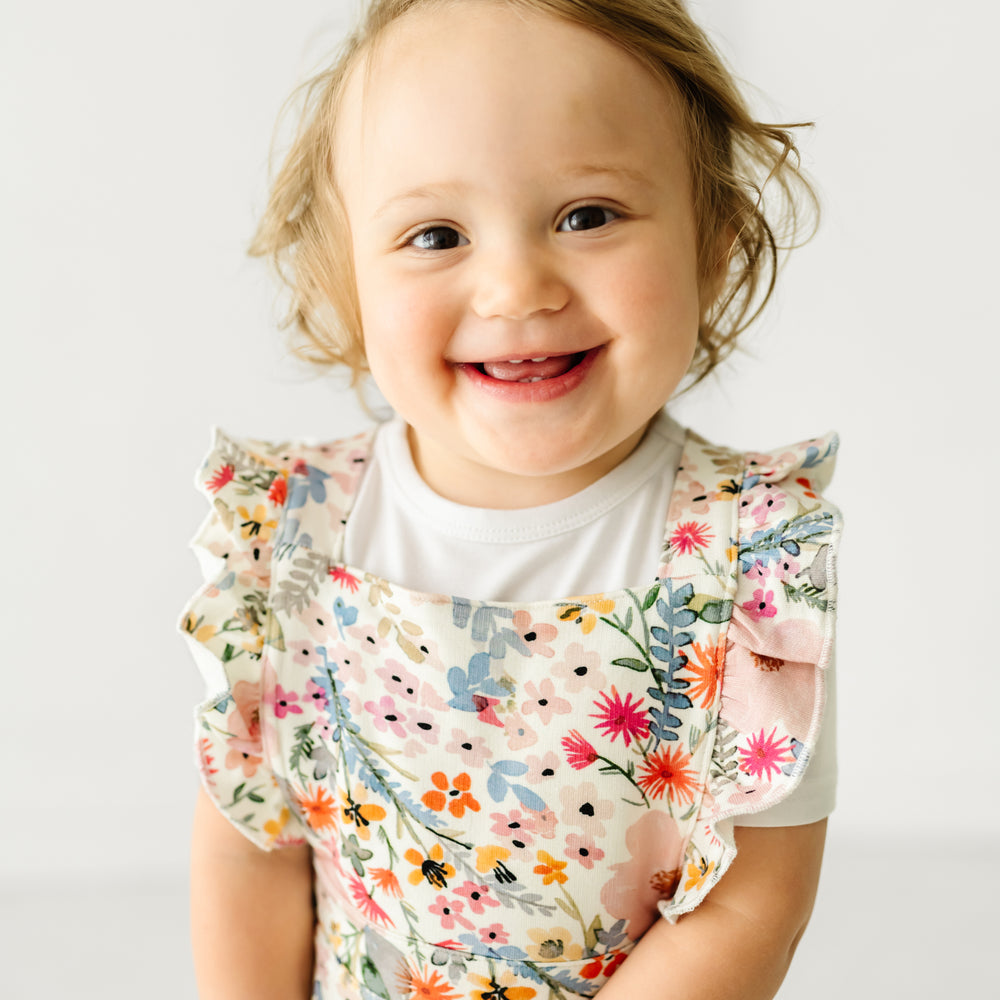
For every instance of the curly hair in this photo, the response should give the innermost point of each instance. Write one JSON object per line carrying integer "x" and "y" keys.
{"x": 750, "y": 195}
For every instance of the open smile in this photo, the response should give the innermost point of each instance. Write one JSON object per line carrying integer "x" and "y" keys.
{"x": 533, "y": 379}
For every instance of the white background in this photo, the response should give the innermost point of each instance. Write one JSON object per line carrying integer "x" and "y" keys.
{"x": 134, "y": 161}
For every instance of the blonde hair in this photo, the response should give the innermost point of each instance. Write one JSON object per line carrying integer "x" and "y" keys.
{"x": 734, "y": 160}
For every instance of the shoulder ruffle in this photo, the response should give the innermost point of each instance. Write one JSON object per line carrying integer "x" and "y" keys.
{"x": 778, "y": 642}
{"x": 227, "y": 623}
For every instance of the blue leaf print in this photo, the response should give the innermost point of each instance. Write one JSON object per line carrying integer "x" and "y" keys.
{"x": 528, "y": 798}
{"x": 345, "y": 615}
{"x": 512, "y": 768}
{"x": 496, "y": 786}
{"x": 310, "y": 485}
{"x": 464, "y": 685}
{"x": 460, "y": 612}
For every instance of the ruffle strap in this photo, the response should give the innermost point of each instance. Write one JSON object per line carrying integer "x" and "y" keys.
{"x": 228, "y": 623}
{"x": 778, "y": 644}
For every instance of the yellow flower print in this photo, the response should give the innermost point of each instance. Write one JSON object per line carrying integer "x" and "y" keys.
{"x": 550, "y": 869}
{"x": 273, "y": 827}
{"x": 254, "y": 525}
{"x": 194, "y": 627}
{"x": 499, "y": 988}
{"x": 696, "y": 874}
{"x": 358, "y": 811}
{"x": 491, "y": 859}
{"x": 433, "y": 868}
{"x": 584, "y": 611}
{"x": 553, "y": 944}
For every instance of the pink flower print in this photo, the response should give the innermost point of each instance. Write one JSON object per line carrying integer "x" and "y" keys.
{"x": 316, "y": 695}
{"x": 621, "y": 718}
{"x": 366, "y": 638}
{"x": 519, "y": 733}
{"x": 762, "y": 605}
{"x": 583, "y": 849}
{"x": 478, "y": 896}
{"x": 349, "y": 668}
{"x": 542, "y": 699}
{"x": 691, "y": 499}
{"x": 494, "y": 934}
{"x": 579, "y": 669}
{"x": 472, "y": 749}
{"x": 543, "y": 824}
{"x": 244, "y": 723}
{"x": 285, "y": 702}
{"x": 320, "y": 622}
{"x": 247, "y": 762}
{"x": 364, "y": 902}
{"x": 758, "y": 571}
{"x": 450, "y": 912}
{"x": 541, "y": 768}
{"x": 580, "y": 753}
{"x": 514, "y": 827}
{"x": 398, "y": 680}
{"x": 690, "y": 535}
{"x": 787, "y": 567}
{"x": 583, "y": 807}
{"x": 764, "y": 755}
{"x": 305, "y": 653}
{"x": 485, "y": 709}
{"x": 386, "y": 716}
{"x": 535, "y": 634}
{"x": 771, "y": 503}
{"x": 422, "y": 723}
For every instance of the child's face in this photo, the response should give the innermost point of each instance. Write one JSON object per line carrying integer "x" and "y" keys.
{"x": 517, "y": 188}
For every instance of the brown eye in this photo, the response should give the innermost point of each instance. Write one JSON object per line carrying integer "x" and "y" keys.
{"x": 438, "y": 238}
{"x": 586, "y": 217}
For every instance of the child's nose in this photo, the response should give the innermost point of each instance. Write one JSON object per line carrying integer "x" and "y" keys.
{"x": 517, "y": 282}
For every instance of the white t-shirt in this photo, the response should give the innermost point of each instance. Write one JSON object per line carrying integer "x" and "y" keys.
{"x": 606, "y": 537}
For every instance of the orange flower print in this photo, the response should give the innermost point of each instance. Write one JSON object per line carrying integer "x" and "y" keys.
{"x": 359, "y": 812}
{"x": 433, "y": 867}
{"x": 386, "y": 881}
{"x": 319, "y": 807}
{"x": 426, "y": 984}
{"x": 667, "y": 772}
{"x": 278, "y": 493}
{"x": 197, "y": 627}
{"x": 585, "y": 610}
{"x": 454, "y": 795}
{"x": 697, "y": 873}
{"x": 550, "y": 869}
{"x": 254, "y": 525}
{"x": 501, "y": 987}
{"x": 707, "y": 664}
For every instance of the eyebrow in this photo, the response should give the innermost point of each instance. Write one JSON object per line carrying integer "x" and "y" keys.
{"x": 583, "y": 171}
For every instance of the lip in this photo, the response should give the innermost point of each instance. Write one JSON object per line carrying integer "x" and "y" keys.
{"x": 531, "y": 392}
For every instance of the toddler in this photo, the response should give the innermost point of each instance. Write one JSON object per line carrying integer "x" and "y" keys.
{"x": 499, "y": 688}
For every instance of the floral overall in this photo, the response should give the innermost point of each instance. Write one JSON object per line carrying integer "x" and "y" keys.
{"x": 501, "y": 798}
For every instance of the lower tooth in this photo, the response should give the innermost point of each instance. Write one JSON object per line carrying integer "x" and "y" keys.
{"x": 536, "y": 378}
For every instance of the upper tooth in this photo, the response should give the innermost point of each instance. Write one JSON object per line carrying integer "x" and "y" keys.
{"x": 516, "y": 361}
{"x": 541, "y": 359}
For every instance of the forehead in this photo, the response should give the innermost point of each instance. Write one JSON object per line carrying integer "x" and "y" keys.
{"x": 502, "y": 91}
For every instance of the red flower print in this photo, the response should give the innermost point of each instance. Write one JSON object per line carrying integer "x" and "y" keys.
{"x": 596, "y": 966}
{"x": 454, "y": 795}
{"x": 762, "y": 605}
{"x": 220, "y": 477}
{"x": 278, "y": 493}
{"x": 690, "y": 535}
{"x": 579, "y": 753}
{"x": 366, "y": 904}
{"x": 765, "y": 755}
{"x": 621, "y": 718}
{"x": 347, "y": 580}
{"x": 667, "y": 772}
{"x": 802, "y": 481}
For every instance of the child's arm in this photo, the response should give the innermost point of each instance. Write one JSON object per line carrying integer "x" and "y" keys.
{"x": 251, "y": 914}
{"x": 737, "y": 945}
